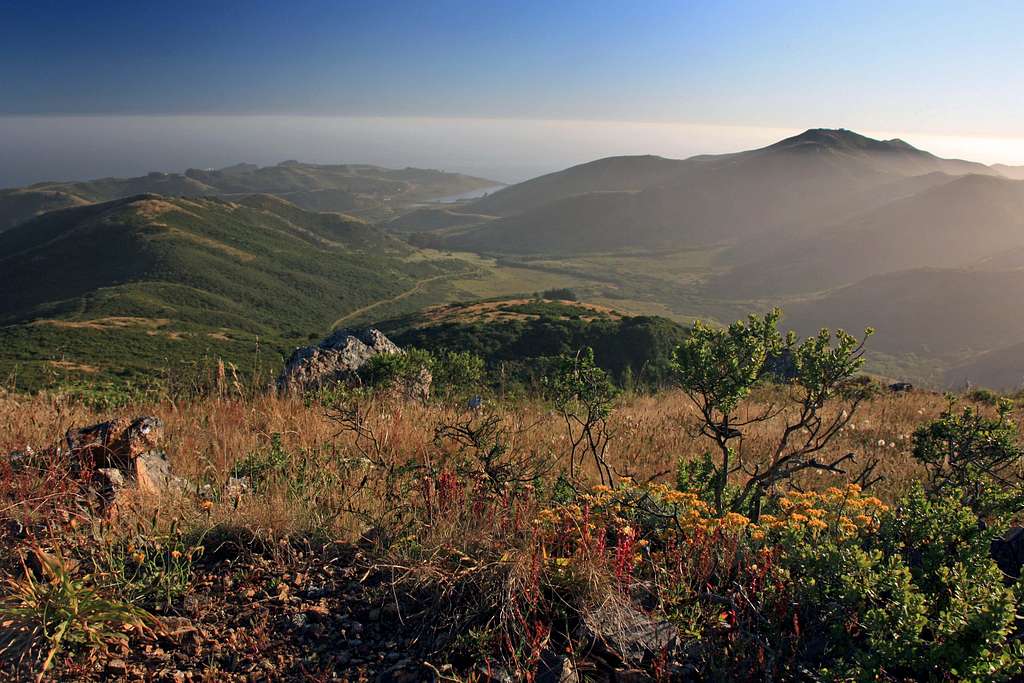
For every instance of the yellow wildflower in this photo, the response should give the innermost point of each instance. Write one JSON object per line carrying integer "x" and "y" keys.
{"x": 735, "y": 519}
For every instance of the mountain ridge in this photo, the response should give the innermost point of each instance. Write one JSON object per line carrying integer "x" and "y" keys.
{"x": 315, "y": 187}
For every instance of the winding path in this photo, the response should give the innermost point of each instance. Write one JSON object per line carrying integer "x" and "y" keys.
{"x": 417, "y": 287}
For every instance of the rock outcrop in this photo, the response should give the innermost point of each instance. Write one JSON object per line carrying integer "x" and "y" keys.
{"x": 124, "y": 454}
{"x": 339, "y": 357}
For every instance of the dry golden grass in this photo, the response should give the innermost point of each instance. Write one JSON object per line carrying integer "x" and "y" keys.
{"x": 207, "y": 437}
{"x": 448, "y": 545}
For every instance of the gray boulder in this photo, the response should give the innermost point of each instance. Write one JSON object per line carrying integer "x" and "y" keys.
{"x": 336, "y": 359}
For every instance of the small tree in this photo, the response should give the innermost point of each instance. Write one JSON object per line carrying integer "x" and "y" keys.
{"x": 584, "y": 395}
{"x": 975, "y": 456}
{"x": 717, "y": 368}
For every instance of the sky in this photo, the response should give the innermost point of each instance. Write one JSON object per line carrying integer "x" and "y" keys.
{"x": 498, "y": 88}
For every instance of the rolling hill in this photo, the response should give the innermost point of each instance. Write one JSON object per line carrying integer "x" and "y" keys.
{"x": 931, "y": 312}
{"x": 138, "y": 283}
{"x": 958, "y": 223}
{"x": 1001, "y": 369}
{"x": 520, "y": 339}
{"x": 20, "y": 204}
{"x": 838, "y": 228}
{"x": 1015, "y": 172}
{"x": 342, "y": 187}
{"x": 798, "y": 185}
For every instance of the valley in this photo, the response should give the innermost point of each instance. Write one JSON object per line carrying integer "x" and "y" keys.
{"x": 838, "y": 229}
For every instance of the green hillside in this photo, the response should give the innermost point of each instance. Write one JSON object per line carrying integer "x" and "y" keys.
{"x": 123, "y": 287}
{"x": 520, "y": 339}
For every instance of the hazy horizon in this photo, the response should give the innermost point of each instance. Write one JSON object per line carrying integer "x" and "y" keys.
{"x": 42, "y": 148}
{"x": 507, "y": 92}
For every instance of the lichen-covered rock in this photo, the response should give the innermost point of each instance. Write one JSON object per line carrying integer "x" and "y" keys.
{"x": 336, "y": 358}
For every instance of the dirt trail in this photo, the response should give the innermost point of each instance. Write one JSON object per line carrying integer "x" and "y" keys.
{"x": 417, "y": 287}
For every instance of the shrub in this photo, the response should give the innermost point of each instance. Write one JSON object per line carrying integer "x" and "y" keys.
{"x": 825, "y": 586}
{"x": 583, "y": 395}
{"x": 560, "y": 293}
{"x": 985, "y": 396}
{"x": 457, "y": 372}
{"x": 975, "y": 455}
{"x": 717, "y": 368}
{"x": 261, "y": 466}
{"x": 391, "y": 369}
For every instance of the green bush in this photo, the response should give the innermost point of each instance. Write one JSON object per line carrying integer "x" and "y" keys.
{"x": 584, "y": 395}
{"x": 456, "y": 373}
{"x": 976, "y": 455}
{"x": 985, "y": 396}
{"x": 262, "y": 465}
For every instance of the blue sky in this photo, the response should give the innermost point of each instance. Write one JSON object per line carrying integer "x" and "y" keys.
{"x": 941, "y": 66}
{"x": 927, "y": 68}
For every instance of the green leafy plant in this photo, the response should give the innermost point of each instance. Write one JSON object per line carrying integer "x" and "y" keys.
{"x": 402, "y": 371}
{"x": 263, "y": 465}
{"x": 456, "y": 372}
{"x": 57, "y": 612}
{"x": 147, "y": 568}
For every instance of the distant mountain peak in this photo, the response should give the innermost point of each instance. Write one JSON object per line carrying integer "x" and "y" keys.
{"x": 901, "y": 144}
{"x": 841, "y": 139}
